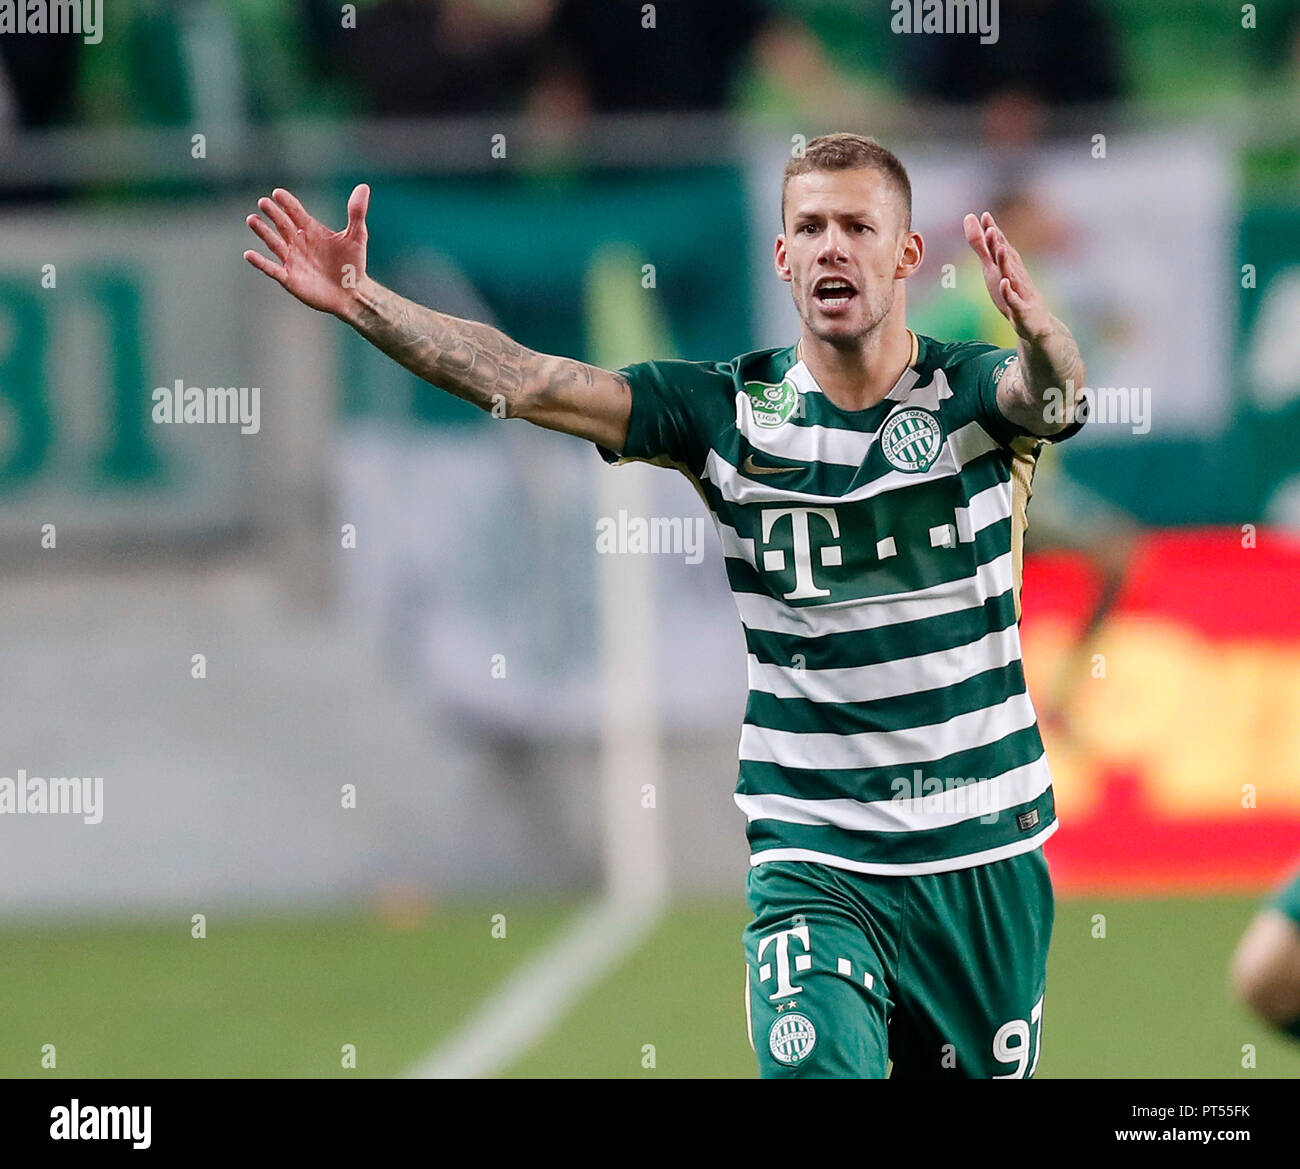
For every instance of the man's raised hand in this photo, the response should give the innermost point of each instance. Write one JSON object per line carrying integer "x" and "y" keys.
{"x": 473, "y": 361}
{"x": 1007, "y": 278}
{"x": 322, "y": 268}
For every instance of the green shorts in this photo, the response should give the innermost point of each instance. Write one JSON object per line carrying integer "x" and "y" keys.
{"x": 1287, "y": 898}
{"x": 943, "y": 974}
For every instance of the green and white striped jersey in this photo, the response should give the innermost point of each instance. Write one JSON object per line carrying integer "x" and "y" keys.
{"x": 875, "y": 558}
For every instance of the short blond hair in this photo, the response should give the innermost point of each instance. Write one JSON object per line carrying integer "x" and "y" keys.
{"x": 850, "y": 152}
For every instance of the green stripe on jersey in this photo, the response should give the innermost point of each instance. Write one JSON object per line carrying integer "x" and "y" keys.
{"x": 928, "y": 848}
{"x": 874, "y": 646}
{"x": 886, "y": 714}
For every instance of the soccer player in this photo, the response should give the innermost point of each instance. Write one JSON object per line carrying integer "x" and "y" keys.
{"x": 1266, "y": 966}
{"x": 869, "y": 486}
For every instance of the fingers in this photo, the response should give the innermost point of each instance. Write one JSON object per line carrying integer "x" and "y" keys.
{"x": 991, "y": 230}
{"x": 1005, "y": 273}
{"x": 994, "y": 240}
{"x": 975, "y": 236}
{"x": 262, "y": 264}
{"x": 358, "y": 205}
{"x": 273, "y": 240}
{"x": 277, "y": 215}
{"x": 1011, "y": 265}
{"x": 293, "y": 208}
{"x": 991, "y": 245}
{"x": 1004, "y": 255}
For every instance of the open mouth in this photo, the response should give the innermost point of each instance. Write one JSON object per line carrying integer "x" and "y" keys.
{"x": 834, "y": 293}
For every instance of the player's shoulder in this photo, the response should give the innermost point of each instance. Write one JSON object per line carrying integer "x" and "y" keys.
{"x": 718, "y": 376}
{"x": 963, "y": 363}
{"x": 952, "y": 354}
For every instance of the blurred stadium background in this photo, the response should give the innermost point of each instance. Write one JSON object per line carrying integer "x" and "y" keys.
{"x": 541, "y": 739}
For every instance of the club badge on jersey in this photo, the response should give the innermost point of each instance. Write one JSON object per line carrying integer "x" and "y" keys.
{"x": 911, "y": 440}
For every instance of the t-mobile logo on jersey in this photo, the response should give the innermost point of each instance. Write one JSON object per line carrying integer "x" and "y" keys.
{"x": 800, "y": 546}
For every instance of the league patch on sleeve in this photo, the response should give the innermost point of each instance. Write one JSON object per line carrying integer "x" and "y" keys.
{"x": 1002, "y": 366}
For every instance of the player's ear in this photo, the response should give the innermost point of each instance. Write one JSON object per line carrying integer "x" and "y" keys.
{"x": 782, "y": 260}
{"x": 910, "y": 254}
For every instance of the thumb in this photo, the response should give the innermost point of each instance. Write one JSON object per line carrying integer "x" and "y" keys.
{"x": 358, "y": 205}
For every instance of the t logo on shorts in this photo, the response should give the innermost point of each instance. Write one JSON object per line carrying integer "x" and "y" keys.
{"x": 784, "y": 988}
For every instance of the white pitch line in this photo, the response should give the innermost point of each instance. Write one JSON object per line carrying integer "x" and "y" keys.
{"x": 535, "y": 998}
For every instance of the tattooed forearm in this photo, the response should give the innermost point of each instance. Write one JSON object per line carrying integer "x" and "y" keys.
{"x": 471, "y": 360}
{"x": 1045, "y": 386}
{"x": 1051, "y": 360}
{"x": 483, "y": 366}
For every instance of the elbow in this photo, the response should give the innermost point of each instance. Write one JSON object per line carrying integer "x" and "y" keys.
{"x": 1265, "y": 975}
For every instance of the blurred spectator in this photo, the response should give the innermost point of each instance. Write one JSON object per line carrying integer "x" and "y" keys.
{"x": 1049, "y": 53}
{"x": 964, "y": 311}
{"x": 416, "y": 58}
{"x": 686, "y": 62}
{"x": 38, "y": 75}
{"x": 1285, "y": 77}
{"x": 38, "y": 78}
{"x": 1058, "y": 51}
{"x": 795, "y": 78}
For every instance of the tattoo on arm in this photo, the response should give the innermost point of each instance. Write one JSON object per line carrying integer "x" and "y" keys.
{"x": 1051, "y": 362}
{"x": 471, "y": 360}
{"x": 484, "y": 367}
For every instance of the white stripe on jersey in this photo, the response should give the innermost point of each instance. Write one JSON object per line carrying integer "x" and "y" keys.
{"x": 986, "y": 508}
{"x": 905, "y": 746}
{"x": 810, "y": 444}
{"x": 945, "y": 865}
{"x": 930, "y": 671}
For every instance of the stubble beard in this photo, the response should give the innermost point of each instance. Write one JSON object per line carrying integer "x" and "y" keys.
{"x": 872, "y": 318}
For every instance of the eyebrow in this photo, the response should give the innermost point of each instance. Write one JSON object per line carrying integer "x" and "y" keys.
{"x": 841, "y": 215}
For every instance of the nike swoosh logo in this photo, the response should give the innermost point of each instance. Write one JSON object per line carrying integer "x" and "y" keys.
{"x": 748, "y": 468}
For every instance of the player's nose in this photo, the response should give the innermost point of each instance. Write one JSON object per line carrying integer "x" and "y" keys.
{"x": 833, "y": 249}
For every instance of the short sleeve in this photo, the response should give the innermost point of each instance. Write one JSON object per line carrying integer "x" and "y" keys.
{"x": 990, "y": 369}
{"x": 676, "y": 407}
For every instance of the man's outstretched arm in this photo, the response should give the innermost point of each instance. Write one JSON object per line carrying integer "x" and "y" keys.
{"x": 326, "y": 270}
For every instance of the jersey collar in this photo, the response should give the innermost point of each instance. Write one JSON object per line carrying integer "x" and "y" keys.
{"x": 902, "y": 387}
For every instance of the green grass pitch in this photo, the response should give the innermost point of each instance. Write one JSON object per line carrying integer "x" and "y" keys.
{"x": 281, "y": 996}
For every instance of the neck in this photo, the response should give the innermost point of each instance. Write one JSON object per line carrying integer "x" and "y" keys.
{"x": 859, "y": 376}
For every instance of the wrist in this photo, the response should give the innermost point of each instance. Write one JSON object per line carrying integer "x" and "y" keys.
{"x": 360, "y": 302}
{"x": 1038, "y": 331}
